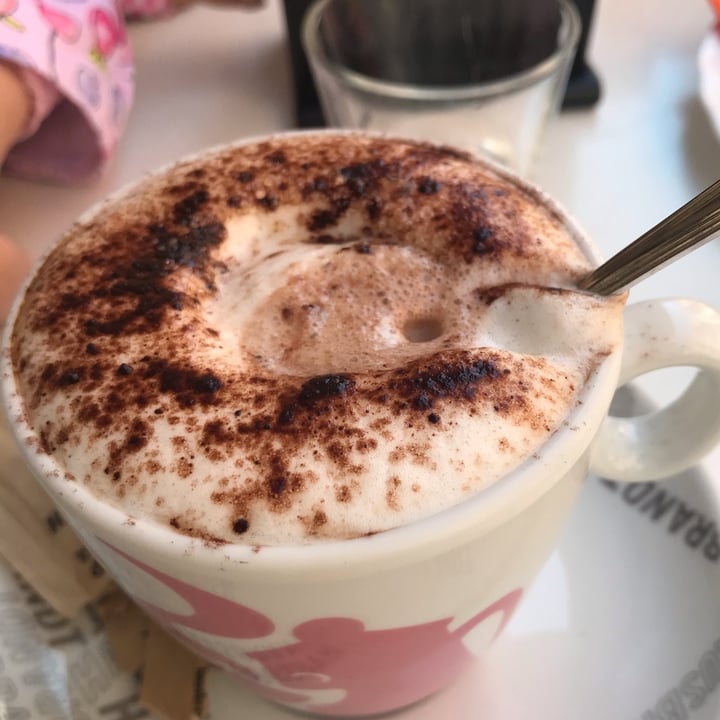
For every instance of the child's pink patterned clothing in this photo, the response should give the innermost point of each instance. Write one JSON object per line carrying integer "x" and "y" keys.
{"x": 77, "y": 64}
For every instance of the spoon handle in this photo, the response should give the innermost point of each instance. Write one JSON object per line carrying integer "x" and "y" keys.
{"x": 686, "y": 229}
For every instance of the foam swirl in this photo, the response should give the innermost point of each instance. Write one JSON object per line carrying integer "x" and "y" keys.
{"x": 312, "y": 337}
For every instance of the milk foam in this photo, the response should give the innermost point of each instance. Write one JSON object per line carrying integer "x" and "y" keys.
{"x": 311, "y": 338}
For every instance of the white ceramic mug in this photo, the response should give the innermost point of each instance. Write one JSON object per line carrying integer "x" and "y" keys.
{"x": 368, "y": 625}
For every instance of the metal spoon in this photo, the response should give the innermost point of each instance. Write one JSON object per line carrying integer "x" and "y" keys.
{"x": 687, "y": 228}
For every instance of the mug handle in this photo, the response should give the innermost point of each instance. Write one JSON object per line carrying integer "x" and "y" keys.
{"x": 660, "y": 334}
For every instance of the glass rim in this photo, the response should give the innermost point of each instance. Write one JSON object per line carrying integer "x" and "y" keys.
{"x": 569, "y": 35}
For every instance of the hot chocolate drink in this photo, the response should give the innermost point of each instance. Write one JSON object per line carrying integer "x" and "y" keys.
{"x": 308, "y": 338}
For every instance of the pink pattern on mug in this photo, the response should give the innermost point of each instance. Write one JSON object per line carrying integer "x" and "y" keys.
{"x": 213, "y": 614}
{"x": 372, "y": 671}
{"x": 379, "y": 670}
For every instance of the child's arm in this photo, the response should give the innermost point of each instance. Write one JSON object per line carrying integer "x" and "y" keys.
{"x": 76, "y": 60}
{"x": 14, "y": 108}
{"x": 14, "y": 265}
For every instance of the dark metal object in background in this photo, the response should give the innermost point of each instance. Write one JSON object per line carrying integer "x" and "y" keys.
{"x": 583, "y": 87}
{"x": 308, "y": 112}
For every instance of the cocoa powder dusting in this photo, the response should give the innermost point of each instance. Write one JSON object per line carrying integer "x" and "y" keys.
{"x": 132, "y": 358}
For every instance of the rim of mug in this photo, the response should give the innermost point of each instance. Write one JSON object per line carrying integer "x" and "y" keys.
{"x": 470, "y": 518}
{"x": 568, "y": 38}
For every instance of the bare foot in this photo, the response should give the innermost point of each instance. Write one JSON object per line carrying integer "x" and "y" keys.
{"x": 14, "y": 266}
